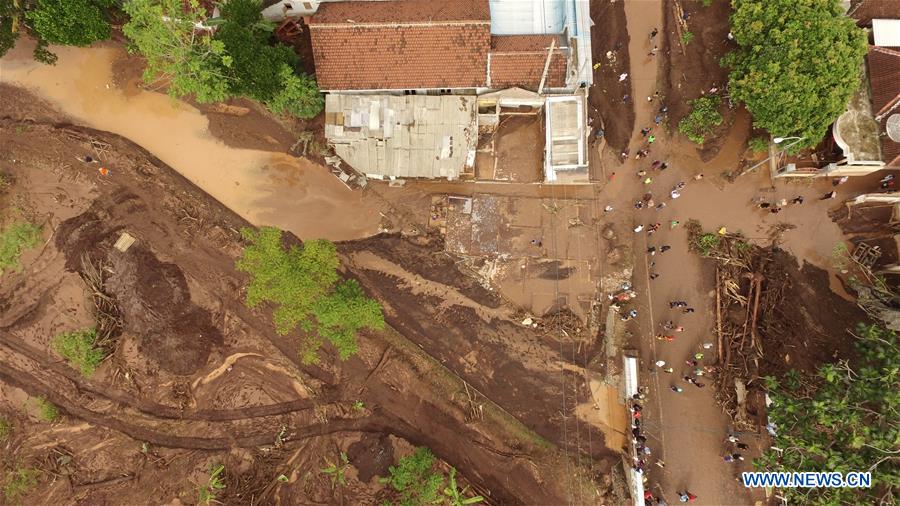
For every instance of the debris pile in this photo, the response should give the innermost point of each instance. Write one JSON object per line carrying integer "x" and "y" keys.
{"x": 750, "y": 314}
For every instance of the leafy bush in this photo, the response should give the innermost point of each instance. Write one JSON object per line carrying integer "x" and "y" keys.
{"x": 70, "y": 22}
{"x": 707, "y": 243}
{"x": 758, "y": 144}
{"x": 707, "y": 3}
{"x": 19, "y": 482}
{"x": 702, "y": 120}
{"x": 79, "y": 349}
{"x": 302, "y": 282}
{"x": 46, "y": 410}
{"x": 5, "y": 428}
{"x": 299, "y": 95}
{"x": 415, "y": 480}
{"x": 14, "y": 240}
{"x": 843, "y": 419}
{"x": 797, "y": 64}
{"x": 687, "y": 37}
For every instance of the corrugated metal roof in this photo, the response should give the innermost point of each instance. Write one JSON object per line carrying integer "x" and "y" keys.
{"x": 518, "y": 17}
{"x": 426, "y": 137}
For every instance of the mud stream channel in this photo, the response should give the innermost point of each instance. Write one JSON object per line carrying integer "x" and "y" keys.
{"x": 265, "y": 188}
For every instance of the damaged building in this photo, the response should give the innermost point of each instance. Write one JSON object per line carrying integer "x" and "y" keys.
{"x": 405, "y": 78}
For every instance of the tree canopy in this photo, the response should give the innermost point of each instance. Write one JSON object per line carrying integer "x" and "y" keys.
{"x": 189, "y": 60}
{"x": 66, "y": 22}
{"x": 263, "y": 71}
{"x": 70, "y": 22}
{"x": 9, "y": 26}
{"x": 843, "y": 419}
{"x": 302, "y": 281}
{"x": 236, "y": 58}
{"x": 797, "y": 64}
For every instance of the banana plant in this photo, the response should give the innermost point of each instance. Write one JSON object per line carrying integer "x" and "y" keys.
{"x": 457, "y": 497}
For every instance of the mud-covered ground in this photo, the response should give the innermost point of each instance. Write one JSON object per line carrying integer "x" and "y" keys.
{"x": 688, "y": 70}
{"x": 198, "y": 379}
{"x": 609, "y": 36}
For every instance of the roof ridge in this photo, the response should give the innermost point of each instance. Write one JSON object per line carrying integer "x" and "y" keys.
{"x": 380, "y": 24}
{"x": 883, "y": 49}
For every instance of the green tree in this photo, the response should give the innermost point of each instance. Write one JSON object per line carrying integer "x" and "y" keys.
{"x": 254, "y": 71}
{"x": 415, "y": 479}
{"x": 189, "y": 61}
{"x": 797, "y": 64}
{"x": 263, "y": 71}
{"x": 70, "y": 22}
{"x": 10, "y": 16}
{"x": 702, "y": 120}
{"x": 299, "y": 95}
{"x": 302, "y": 282}
{"x": 843, "y": 419}
{"x": 343, "y": 312}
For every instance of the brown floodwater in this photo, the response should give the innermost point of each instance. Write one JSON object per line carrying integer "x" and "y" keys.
{"x": 265, "y": 188}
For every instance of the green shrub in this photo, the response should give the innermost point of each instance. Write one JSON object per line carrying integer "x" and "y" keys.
{"x": 707, "y": 243}
{"x": 5, "y": 428}
{"x": 299, "y": 95}
{"x": 14, "y": 240}
{"x": 758, "y": 144}
{"x": 702, "y": 120}
{"x": 46, "y": 410}
{"x": 78, "y": 348}
{"x": 687, "y": 37}
{"x": 707, "y": 3}
{"x": 414, "y": 478}
{"x": 19, "y": 482}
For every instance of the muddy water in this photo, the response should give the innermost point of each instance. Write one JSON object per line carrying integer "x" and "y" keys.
{"x": 265, "y": 188}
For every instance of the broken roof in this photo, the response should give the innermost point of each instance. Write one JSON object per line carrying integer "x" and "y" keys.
{"x": 519, "y": 60}
{"x": 401, "y": 44}
{"x": 402, "y": 136}
{"x": 884, "y": 74}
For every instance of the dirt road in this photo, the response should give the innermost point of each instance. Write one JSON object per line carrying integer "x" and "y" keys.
{"x": 686, "y": 430}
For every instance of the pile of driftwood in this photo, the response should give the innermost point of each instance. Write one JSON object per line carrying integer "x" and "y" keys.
{"x": 749, "y": 312}
{"x": 106, "y": 309}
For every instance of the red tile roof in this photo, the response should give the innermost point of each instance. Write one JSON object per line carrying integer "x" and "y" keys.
{"x": 400, "y": 57}
{"x": 864, "y": 11}
{"x": 402, "y": 11}
{"x": 518, "y": 60}
{"x": 401, "y": 44}
{"x": 884, "y": 79}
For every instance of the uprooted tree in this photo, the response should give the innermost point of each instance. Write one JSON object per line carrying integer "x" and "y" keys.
{"x": 797, "y": 64}
{"x": 845, "y": 418}
{"x": 303, "y": 282}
